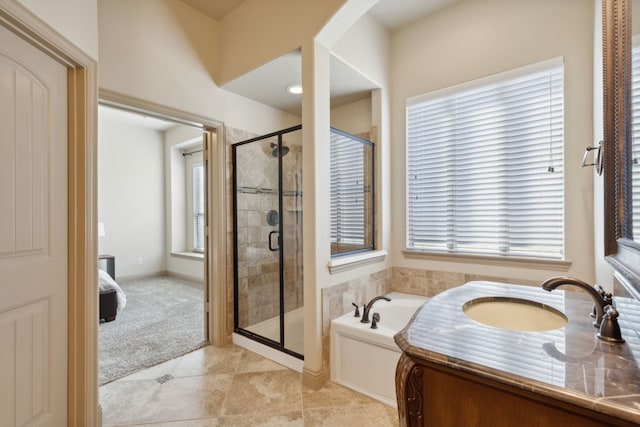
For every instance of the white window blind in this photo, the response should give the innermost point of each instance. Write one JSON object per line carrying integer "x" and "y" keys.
{"x": 635, "y": 138}
{"x": 198, "y": 207}
{"x": 351, "y": 190}
{"x": 485, "y": 166}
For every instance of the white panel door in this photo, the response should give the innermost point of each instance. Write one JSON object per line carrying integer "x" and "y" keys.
{"x": 33, "y": 236}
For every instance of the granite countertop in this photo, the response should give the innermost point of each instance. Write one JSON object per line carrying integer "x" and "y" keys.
{"x": 569, "y": 364}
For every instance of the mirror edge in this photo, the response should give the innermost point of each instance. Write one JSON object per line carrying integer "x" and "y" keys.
{"x": 620, "y": 249}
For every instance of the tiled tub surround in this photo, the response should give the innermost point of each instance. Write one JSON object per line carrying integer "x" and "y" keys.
{"x": 568, "y": 364}
{"x": 430, "y": 283}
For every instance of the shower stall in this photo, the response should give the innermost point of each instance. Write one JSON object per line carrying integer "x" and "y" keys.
{"x": 267, "y": 220}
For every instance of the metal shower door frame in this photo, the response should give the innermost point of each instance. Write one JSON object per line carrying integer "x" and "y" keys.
{"x": 280, "y": 346}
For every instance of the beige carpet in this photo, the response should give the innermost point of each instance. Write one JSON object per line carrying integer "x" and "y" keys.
{"x": 163, "y": 319}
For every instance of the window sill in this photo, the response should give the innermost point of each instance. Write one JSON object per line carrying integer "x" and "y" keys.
{"x": 350, "y": 262}
{"x": 540, "y": 264}
{"x": 189, "y": 255}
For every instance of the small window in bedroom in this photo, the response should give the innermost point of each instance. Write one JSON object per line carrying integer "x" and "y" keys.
{"x": 195, "y": 201}
{"x": 198, "y": 207}
{"x": 485, "y": 166}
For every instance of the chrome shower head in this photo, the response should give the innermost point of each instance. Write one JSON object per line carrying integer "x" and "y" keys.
{"x": 274, "y": 150}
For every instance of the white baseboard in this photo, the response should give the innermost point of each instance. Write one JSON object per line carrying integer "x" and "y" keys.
{"x": 142, "y": 276}
{"x": 198, "y": 280}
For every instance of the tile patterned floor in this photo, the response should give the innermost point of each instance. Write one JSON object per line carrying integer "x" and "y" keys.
{"x": 231, "y": 386}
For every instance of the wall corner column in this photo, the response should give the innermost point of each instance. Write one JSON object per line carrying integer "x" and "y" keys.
{"x": 315, "y": 184}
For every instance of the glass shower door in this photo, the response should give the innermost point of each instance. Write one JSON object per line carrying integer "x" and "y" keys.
{"x": 257, "y": 241}
{"x": 268, "y": 276}
{"x": 291, "y": 220}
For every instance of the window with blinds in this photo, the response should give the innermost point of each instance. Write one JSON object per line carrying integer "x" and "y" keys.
{"x": 198, "y": 207}
{"x": 635, "y": 139}
{"x": 485, "y": 166}
{"x": 351, "y": 171}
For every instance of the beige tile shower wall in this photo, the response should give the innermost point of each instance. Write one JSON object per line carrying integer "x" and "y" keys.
{"x": 292, "y": 262}
{"x": 292, "y": 222}
{"x": 258, "y": 266}
{"x": 232, "y": 136}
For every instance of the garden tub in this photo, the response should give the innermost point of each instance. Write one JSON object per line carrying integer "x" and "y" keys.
{"x": 364, "y": 359}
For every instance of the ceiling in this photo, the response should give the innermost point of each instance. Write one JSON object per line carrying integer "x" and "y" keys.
{"x": 216, "y": 9}
{"x": 396, "y": 13}
{"x": 267, "y": 84}
{"x": 390, "y": 13}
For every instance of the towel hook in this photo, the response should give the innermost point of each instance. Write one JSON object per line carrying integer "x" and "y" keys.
{"x": 598, "y": 159}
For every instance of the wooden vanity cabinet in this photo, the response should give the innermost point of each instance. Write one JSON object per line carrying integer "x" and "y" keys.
{"x": 433, "y": 395}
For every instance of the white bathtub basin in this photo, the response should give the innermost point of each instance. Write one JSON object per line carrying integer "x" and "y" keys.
{"x": 365, "y": 359}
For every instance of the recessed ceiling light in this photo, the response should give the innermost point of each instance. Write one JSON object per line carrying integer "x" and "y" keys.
{"x": 295, "y": 89}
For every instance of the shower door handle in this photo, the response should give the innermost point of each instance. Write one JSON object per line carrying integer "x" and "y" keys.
{"x": 271, "y": 248}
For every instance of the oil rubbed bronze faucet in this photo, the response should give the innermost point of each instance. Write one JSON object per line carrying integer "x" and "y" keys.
{"x": 600, "y": 300}
{"x": 367, "y": 308}
{"x": 603, "y": 307}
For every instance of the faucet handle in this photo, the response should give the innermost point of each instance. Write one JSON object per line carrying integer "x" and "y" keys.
{"x": 357, "y": 313}
{"x": 374, "y": 320}
{"x": 609, "y": 328}
{"x": 607, "y": 298}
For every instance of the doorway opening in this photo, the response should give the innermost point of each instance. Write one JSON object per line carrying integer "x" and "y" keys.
{"x": 152, "y": 246}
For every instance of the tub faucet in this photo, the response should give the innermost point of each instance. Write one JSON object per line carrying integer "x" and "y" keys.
{"x": 600, "y": 298}
{"x": 367, "y": 308}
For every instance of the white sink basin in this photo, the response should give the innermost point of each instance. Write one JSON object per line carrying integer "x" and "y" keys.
{"x": 515, "y": 314}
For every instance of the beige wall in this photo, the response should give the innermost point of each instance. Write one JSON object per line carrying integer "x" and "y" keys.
{"x": 165, "y": 52}
{"x": 365, "y": 47}
{"x": 131, "y": 197}
{"x": 316, "y": 121}
{"x": 259, "y": 31}
{"x": 354, "y": 118}
{"x": 77, "y": 20}
{"x": 159, "y": 51}
{"x": 473, "y": 39}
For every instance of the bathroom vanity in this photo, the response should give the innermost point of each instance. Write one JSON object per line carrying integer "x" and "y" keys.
{"x": 455, "y": 371}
